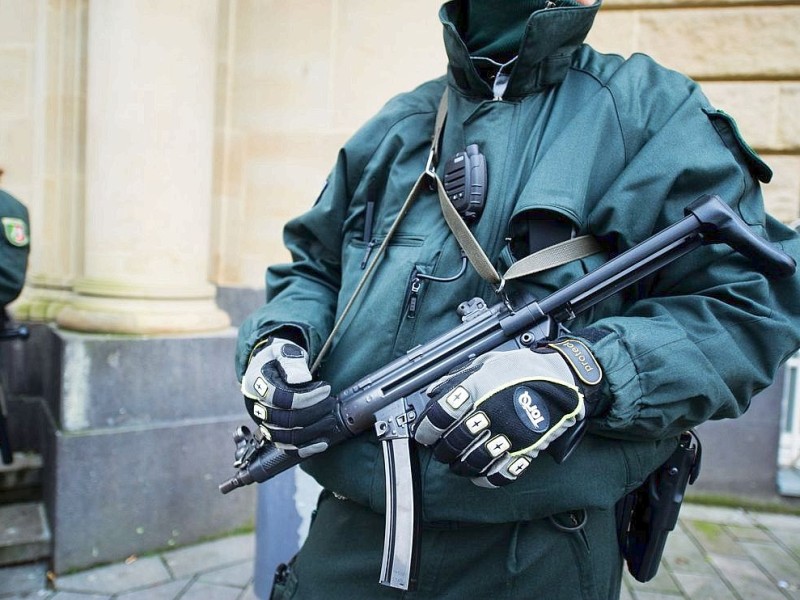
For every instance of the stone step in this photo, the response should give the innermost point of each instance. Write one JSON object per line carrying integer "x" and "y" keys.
{"x": 24, "y": 533}
{"x": 21, "y": 481}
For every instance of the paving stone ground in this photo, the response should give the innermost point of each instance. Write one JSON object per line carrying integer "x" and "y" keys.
{"x": 714, "y": 554}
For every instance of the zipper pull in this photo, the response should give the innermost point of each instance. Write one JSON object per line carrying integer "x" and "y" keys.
{"x": 413, "y": 297}
{"x": 370, "y": 245}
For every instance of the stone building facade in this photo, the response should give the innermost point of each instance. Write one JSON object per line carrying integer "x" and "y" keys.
{"x": 161, "y": 146}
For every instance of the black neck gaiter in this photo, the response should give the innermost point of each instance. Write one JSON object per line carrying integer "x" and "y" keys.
{"x": 495, "y": 28}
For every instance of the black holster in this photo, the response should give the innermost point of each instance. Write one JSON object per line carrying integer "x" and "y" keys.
{"x": 647, "y": 515}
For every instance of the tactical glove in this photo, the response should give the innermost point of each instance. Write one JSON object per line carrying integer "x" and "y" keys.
{"x": 290, "y": 408}
{"x": 491, "y": 417}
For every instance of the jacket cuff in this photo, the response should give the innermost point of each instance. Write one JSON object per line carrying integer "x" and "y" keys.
{"x": 620, "y": 388}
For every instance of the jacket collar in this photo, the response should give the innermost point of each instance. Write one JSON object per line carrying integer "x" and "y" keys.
{"x": 551, "y": 37}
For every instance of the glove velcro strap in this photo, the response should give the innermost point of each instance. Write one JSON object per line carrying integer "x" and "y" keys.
{"x": 580, "y": 359}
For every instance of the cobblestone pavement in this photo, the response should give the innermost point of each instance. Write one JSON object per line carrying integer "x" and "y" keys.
{"x": 714, "y": 554}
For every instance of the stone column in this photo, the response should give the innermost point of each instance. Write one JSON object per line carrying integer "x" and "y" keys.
{"x": 56, "y": 201}
{"x": 149, "y": 145}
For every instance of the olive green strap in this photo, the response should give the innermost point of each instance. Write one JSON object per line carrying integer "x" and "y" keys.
{"x": 554, "y": 256}
{"x": 441, "y": 115}
{"x": 477, "y": 257}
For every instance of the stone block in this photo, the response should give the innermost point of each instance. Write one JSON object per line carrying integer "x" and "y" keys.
{"x": 705, "y": 586}
{"x": 289, "y": 90}
{"x": 714, "y": 538}
{"x": 754, "y": 105}
{"x": 682, "y": 556}
{"x": 162, "y": 591}
{"x": 16, "y": 76}
{"x": 116, "y": 578}
{"x": 767, "y": 112}
{"x": 17, "y": 151}
{"x": 746, "y": 578}
{"x": 777, "y": 562}
{"x": 789, "y": 117}
{"x": 114, "y": 381}
{"x": 119, "y": 492}
{"x": 782, "y": 194}
{"x": 614, "y": 32}
{"x": 727, "y": 43}
{"x": 18, "y": 21}
{"x": 238, "y": 575}
{"x": 240, "y": 302}
{"x": 138, "y": 441}
{"x": 382, "y": 49}
{"x": 24, "y": 534}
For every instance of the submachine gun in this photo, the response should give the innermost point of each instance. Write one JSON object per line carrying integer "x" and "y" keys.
{"x": 390, "y": 398}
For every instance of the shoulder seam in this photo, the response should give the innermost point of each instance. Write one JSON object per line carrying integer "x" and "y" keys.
{"x": 604, "y": 85}
{"x": 386, "y": 134}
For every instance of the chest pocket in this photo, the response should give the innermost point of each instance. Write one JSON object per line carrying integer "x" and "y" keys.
{"x": 379, "y": 314}
{"x": 415, "y": 291}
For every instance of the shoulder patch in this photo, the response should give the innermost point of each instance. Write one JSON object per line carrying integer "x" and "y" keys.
{"x": 581, "y": 359}
{"x": 16, "y": 231}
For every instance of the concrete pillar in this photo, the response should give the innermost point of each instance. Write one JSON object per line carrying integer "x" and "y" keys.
{"x": 149, "y": 147}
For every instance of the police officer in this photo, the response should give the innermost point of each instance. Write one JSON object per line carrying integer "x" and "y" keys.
{"x": 575, "y": 143}
{"x": 13, "y": 264}
{"x": 14, "y": 246}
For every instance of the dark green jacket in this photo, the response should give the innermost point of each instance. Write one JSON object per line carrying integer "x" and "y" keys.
{"x": 618, "y": 147}
{"x": 14, "y": 247}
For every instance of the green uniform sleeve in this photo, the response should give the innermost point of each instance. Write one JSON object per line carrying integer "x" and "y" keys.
{"x": 699, "y": 338}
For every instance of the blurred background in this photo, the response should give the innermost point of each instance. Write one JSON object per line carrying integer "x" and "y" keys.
{"x": 160, "y": 146}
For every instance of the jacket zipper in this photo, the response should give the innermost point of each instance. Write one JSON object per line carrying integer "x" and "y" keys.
{"x": 370, "y": 241}
{"x": 412, "y": 296}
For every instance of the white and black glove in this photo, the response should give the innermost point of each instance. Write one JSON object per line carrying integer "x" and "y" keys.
{"x": 490, "y": 418}
{"x": 290, "y": 408}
